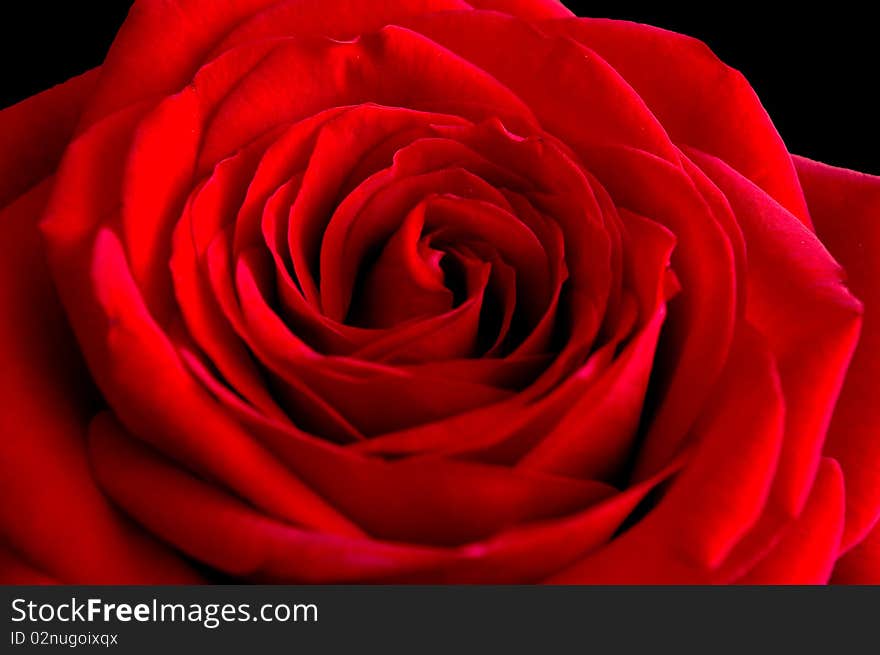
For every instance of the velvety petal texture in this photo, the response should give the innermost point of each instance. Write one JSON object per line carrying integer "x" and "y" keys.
{"x": 55, "y": 523}
{"x": 428, "y": 291}
{"x": 845, "y": 207}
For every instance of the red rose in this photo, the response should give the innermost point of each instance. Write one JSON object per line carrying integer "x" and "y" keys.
{"x": 434, "y": 291}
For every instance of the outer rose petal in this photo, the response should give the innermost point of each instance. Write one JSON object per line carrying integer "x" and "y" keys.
{"x": 861, "y": 565}
{"x": 33, "y": 134}
{"x": 55, "y": 521}
{"x": 182, "y": 31}
{"x": 806, "y": 552}
{"x": 186, "y": 32}
{"x": 701, "y": 102}
{"x": 845, "y": 206}
{"x": 14, "y": 570}
{"x": 531, "y": 9}
{"x": 798, "y": 299}
{"x": 219, "y": 529}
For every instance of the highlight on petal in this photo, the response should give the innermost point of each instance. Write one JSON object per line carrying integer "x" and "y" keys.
{"x": 809, "y": 546}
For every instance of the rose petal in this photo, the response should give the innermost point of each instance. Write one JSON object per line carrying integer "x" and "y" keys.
{"x": 809, "y": 546}
{"x": 599, "y": 107}
{"x": 531, "y": 9}
{"x": 217, "y": 528}
{"x": 339, "y": 19}
{"x": 846, "y": 212}
{"x": 46, "y": 396}
{"x": 720, "y": 493}
{"x": 159, "y": 174}
{"x": 34, "y": 133}
{"x": 701, "y": 320}
{"x": 699, "y": 100}
{"x": 594, "y": 436}
{"x": 393, "y": 67}
{"x": 182, "y": 30}
{"x": 861, "y": 564}
{"x": 225, "y": 533}
{"x": 797, "y": 298}
{"x": 15, "y": 571}
{"x": 150, "y": 389}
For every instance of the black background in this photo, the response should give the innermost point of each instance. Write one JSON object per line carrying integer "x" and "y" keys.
{"x": 816, "y": 67}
